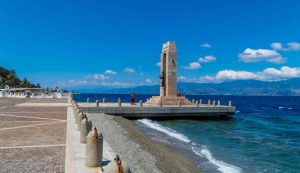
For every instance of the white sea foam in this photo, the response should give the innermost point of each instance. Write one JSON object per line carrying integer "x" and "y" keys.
{"x": 222, "y": 166}
{"x": 196, "y": 148}
{"x": 290, "y": 108}
{"x": 237, "y": 111}
{"x": 281, "y": 107}
{"x": 166, "y": 130}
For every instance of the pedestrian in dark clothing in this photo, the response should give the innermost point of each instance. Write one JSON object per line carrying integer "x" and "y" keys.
{"x": 132, "y": 97}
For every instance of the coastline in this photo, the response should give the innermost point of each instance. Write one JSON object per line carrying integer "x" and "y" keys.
{"x": 140, "y": 152}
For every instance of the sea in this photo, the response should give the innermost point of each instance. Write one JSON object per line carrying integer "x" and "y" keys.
{"x": 262, "y": 137}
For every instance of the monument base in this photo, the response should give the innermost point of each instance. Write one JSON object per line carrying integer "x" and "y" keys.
{"x": 168, "y": 100}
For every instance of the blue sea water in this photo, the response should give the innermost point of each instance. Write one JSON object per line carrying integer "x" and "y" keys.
{"x": 263, "y": 136}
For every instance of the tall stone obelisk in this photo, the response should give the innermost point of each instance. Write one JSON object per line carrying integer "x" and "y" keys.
{"x": 168, "y": 70}
{"x": 168, "y": 78}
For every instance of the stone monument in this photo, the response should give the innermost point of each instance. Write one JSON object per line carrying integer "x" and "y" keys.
{"x": 168, "y": 78}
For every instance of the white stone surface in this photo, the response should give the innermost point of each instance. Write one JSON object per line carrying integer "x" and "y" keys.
{"x": 75, "y": 151}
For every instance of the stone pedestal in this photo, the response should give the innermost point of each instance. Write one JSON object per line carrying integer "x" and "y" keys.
{"x": 171, "y": 100}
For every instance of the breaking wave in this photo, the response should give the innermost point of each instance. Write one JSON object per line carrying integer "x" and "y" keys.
{"x": 199, "y": 150}
{"x": 165, "y": 130}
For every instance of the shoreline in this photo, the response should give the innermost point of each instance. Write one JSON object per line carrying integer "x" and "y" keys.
{"x": 169, "y": 159}
{"x": 138, "y": 150}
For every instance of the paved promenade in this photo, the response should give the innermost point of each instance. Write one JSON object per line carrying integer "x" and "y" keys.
{"x": 33, "y": 135}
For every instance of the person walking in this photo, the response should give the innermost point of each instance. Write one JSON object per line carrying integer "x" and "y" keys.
{"x": 132, "y": 97}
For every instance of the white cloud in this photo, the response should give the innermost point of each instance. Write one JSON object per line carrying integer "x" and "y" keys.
{"x": 205, "y": 45}
{"x": 285, "y": 72}
{"x": 276, "y": 46}
{"x": 258, "y": 55}
{"x": 116, "y": 84}
{"x": 149, "y": 81}
{"x": 97, "y": 76}
{"x": 158, "y": 64}
{"x": 98, "y": 83}
{"x": 234, "y": 75}
{"x": 110, "y": 72}
{"x": 76, "y": 82}
{"x": 181, "y": 78}
{"x": 207, "y": 59}
{"x": 193, "y": 66}
{"x": 129, "y": 70}
{"x": 268, "y": 74}
{"x": 292, "y": 46}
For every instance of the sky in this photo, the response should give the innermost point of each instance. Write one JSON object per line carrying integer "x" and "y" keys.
{"x": 72, "y": 43}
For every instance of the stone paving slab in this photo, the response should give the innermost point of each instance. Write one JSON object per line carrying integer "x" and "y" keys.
{"x": 39, "y": 112}
{"x": 41, "y": 133}
{"x": 48, "y": 100}
{"x": 32, "y": 138}
{"x": 43, "y": 104}
{"x": 14, "y": 118}
{"x": 12, "y": 124}
{"x": 44, "y": 159}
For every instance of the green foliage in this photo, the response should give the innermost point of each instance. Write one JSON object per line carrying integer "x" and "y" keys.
{"x": 9, "y": 77}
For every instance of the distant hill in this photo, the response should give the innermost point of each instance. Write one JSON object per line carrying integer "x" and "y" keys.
{"x": 242, "y": 87}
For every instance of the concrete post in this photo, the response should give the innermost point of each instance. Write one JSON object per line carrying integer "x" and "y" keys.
{"x": 94, "y": 149}
{"x": 97, "y": 103}
{"x": 197, "y": 103}
{"x": 214, "y": 103}
{"x": 200, "y": 102}
{"x": 69, "y": 99}
{"x": 141, "y": 103}
{"x": 193, "y": 101}
{"x": 88, "y": 100}
{"x": 117, "y": 165}
{"x": 208, "y": 102}
{"x": 78, "y": 112}
{"x": 119, "y": 103}
{"x": 80, "y": 118}
{"x": 160, "y": 104}
{"x": 179, "y": 103}
{"x": 219, "y": 103}
{"x": 229, "y": 103}
{"x": 86, "y": 126}
{"x": 103, "y": 100}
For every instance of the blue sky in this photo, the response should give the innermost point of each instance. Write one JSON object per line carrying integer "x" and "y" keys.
{"x": 73, "y": 43}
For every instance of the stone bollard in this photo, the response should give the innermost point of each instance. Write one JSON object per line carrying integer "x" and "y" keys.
{"x": 141, "y": 103}
{"x": 197, "y": 103}
{"x": 179, "y": 103}
{"x": 103, "y": 100}
{"x": 229, "y": 103}
{"x": 88, "y": 100}
{"x": 94, "y": 149}
{"x": 78, "y": 112}
{"x": 117, "y": 166}
{"x": 80, "y": 118}
{"x": 97, "y": 103}
{"x": 219, "y": 103}
{"x": 119, "y": 103}
{"x": 208, "y": 102}
{"x": 200, "y": 102}
{"x": 214, "y": 103}
{"x": 193, "y": 101}
{"x": 86, "y": 126}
